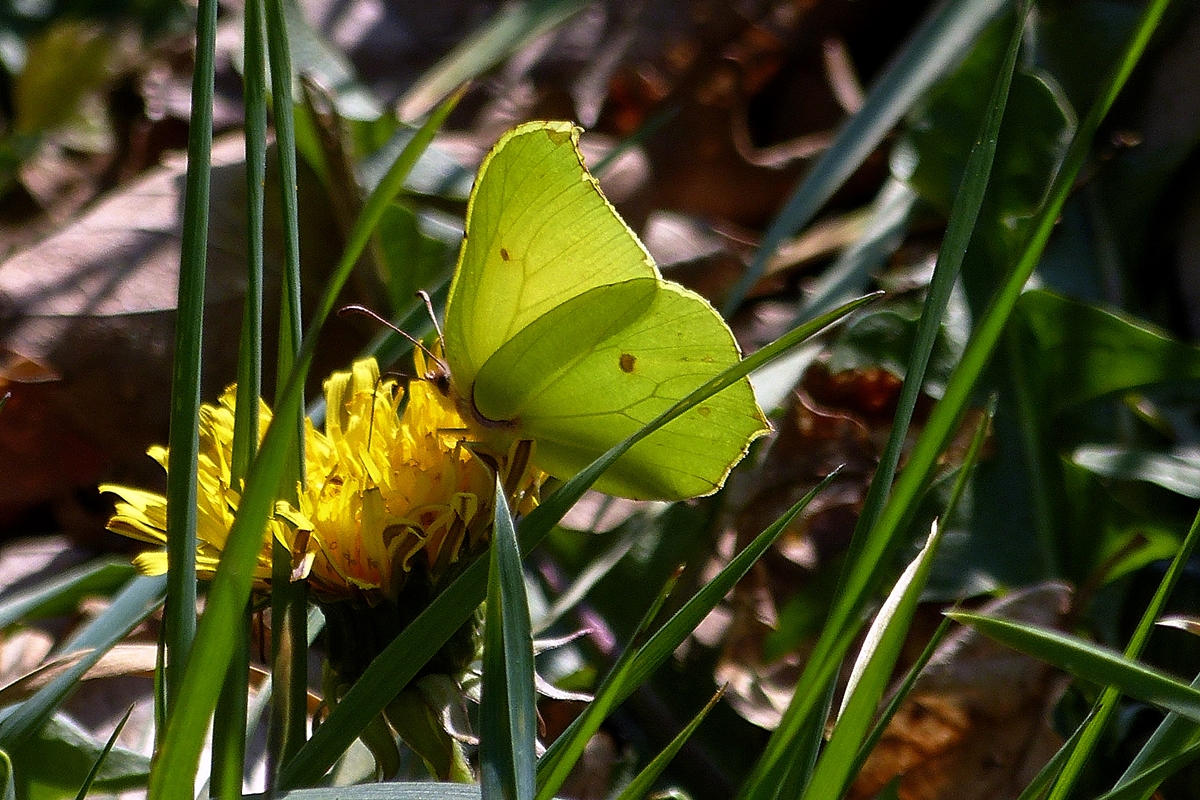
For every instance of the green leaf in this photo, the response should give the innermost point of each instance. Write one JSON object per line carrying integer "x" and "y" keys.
{"x": 507, "y": 710}
{"x": 636, "y": 665}
{"x": 1178, "y": 474}
{"x": 1078, "y": 352}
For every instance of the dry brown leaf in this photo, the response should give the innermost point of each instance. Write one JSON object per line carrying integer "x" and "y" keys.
{"x": 94, "y": 305}
{"x": 976, "y": 725}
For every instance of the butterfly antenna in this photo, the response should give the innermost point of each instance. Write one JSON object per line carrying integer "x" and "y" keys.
{"x": 357, "y": 309}
{"x": 424, "y": 295}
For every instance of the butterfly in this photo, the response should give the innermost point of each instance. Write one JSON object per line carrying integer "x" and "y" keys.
{"x": 560, "y": 329}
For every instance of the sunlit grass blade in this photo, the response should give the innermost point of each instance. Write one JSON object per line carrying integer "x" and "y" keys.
{"x": 128, "y": 609}
{"x": 1090, "y": 662}
{"x": 508, "y": 708}
{"x": 822, "y": 664}
{"x": 187, "y": 724}
{"x": 1050, "y": 770}
{"x": 869, "y": 677}
{"x": 417, "y": 643}
{"x": 932, "y": 50}
{"x": 183, "y": 441}
{"x": 513, "y": 25}
{"x": 1174, "y": 737}
{"x": 881, "y": 648}
{"x": 289, "y": 656}
{"x": 380, "y": 791}
{"x": 562, "y": 755}
{"x": 108, "y": 746}
{"x": 868, "y": 545}
{"x": 1106, "y": 705}
{"x": 62, "y": 594}
{"x": 643, "y": 782}
{"x": 634, "y": 670}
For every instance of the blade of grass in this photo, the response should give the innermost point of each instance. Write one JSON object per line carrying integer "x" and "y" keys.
{"x": 643, "y": 782}
{"x": 513, "y": 25}
{"x": 289, "y": 604}
{"x": 881, "y": 649}
{"x": 184, "y": 438}
{"x": 139, "y": 598}
{"x": 567, "y": 749}
{"x": 937, "y": 45}
{"x": 822, "y": 664}
{"x": 1174, "y": 736}
{"x": 1144, "y": 783}
{"x": 507, "y": 709}
{"x": 1106, "y": 704}
{"x": 1090, "y": 662}
{"x": 417, "y": 643}
{"x": 859, "y": 581}
{"x": 636, "y": 666}
{"x": 229, "y": 720}
{"x": 1037, "y": 786}
{"x": 381, "y": 791}
{"x": 62, "y": 594}
{"x": 99, "y": 763}
{"x": 187, "y": 724}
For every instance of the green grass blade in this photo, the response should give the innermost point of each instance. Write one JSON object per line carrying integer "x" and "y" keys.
{"x": 823, "y": 662}
{"x": 870, "y": 675}
{"x": 933, "y": 49}
{"x": 959, "y": 230}
{"x": 1106, "y": 704}
{"x": 513, "y": 25}
{"x": 869, "y": 544}
{"x": 249, "y": 380}
{"x": 108, "y": 746}
{"x": 380, "y": 791}
{"x": 566, "y": 750}
{"x": 289, "y": 656}
{"x": 1049, "y": 772}
{"x": 508, "y": 708}
{"x": 848, "y": 745}
{"x": 1090, "y": 662}
{"x": 1174, "y": 736}
{"x": 636, "y": 665}
{"x": 643, "y": 782}
{"x": 61, "y": 595}
{"x": 128, "y": 609}
{"x": 1143, "y": 784}
{"x": 184, "y": 437}
{"x": 229, "y": 720}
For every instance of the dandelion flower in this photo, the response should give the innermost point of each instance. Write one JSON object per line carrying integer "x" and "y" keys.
{"x": 392, "y": 489}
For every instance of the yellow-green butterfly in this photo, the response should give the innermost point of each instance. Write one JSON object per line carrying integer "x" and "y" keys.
{"x": 560, "y": 329}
